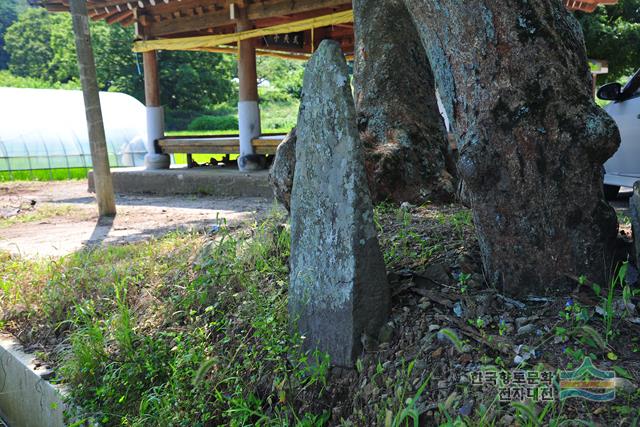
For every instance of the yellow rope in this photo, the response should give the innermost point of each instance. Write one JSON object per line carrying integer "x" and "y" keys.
{"x": 208, "y": 42}
{"x": 260, "y": 52}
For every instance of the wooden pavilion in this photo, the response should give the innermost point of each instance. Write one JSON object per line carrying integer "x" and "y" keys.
{"x": 285, "y": 28}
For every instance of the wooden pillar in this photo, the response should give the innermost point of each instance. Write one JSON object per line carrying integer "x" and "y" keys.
{"x": 155, "y": 113}
{"x": 248, "y": 108}
{"x": 151, "y": 78}
{"x": 95, "y": 124}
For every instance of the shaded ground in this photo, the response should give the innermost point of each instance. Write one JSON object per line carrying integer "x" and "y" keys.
{"x": 449, "y": 329}
{"x": 57, "y": 218}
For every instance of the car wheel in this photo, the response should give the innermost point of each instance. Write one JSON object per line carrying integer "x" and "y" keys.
{"x": 611, "y": 191}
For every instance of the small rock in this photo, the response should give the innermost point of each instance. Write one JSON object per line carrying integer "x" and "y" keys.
{"x": 520, "y": 321}
{"x": 46, "y": 374}
{"x": 457, "y": 309}
{"x": 526, "y": 329}
{"x": 406, "y": 206}
{"x": 620, "y": 307}
{"x": 625, "y": 385}
{"x": 437, "y": 273}
{"x": 282, "y": 171}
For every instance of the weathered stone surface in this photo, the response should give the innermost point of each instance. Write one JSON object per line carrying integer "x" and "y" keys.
{"x": 405, "y": 140}
{"x": 634, "y": 207}
{"x": 338, "y": 291}
{"x": 283, "y": 168}
{"x": 514, "y": 78}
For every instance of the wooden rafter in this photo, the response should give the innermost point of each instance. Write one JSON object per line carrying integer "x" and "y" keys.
{"x": 160, "y": 19}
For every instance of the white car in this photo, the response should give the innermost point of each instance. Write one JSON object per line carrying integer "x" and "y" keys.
{"x": 623, "y": 169}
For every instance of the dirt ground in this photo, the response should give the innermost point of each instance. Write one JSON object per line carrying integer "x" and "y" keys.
{"x": 50, "y": 219}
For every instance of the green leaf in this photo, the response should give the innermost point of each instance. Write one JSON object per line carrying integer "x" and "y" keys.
{"x": 457, "y": 342}
{"x": 526, "y": 413}
{"x": 588, "y": 331}
{"x": 622, "y": 372}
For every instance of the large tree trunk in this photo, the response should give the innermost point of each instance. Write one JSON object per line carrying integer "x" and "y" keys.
{"x": 514, "y": 77}
{"x": 404, "y": 136}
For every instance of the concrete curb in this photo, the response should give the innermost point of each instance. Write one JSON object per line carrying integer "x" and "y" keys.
{"x": 222, "y": 182}
{"x": 25, "y": 398}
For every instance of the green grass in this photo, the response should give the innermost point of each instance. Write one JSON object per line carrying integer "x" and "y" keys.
{"x": 44, "y": 175}
{"x": 279, "y": 116}
{"x": 171, "y": 332}
{"x": 193, "y": 330}
{"x": 222, "y": 132}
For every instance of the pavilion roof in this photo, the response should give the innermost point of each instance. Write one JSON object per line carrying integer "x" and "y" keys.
{"x": 211, "y": 24}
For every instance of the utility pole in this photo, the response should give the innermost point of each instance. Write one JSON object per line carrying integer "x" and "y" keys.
{"x": 95, "y": 124}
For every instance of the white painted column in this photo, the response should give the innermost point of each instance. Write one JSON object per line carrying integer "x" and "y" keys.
{"x": 155, "y": 113}
{"x": 249, "y": 125}
{"x": 248, "y": 108}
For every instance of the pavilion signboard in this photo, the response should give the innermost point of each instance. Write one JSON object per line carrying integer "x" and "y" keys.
{"x": 289, "y": 40}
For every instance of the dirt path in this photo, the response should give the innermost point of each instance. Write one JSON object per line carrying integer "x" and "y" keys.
{"x": 64, "y": 217}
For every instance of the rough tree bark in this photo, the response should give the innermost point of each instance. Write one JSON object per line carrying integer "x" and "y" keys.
{"x": 404, "y": 136}
{"x": 514, "y": 77}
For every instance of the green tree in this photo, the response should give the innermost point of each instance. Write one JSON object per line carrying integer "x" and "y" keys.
{"x": 195, "y": 80}
{"x": 9, "y": 10}
{"x": 27, "y": 41}
{"x": 8, "y": 14}
{"x": 41, "y": 46}
{"x": 283, "y": 75}
{"x": 613, "y": 33}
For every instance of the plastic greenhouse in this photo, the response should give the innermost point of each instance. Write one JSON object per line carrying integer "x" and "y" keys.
{"x": 43, "y": 129}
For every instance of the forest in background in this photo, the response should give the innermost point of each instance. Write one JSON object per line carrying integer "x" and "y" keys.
{"x": 199, "y": 89}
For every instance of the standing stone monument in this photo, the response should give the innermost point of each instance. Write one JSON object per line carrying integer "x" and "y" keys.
{"x": 339, "y": 290}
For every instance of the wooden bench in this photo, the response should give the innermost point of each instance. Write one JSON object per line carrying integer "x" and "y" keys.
{"x": 224, "y": 144}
